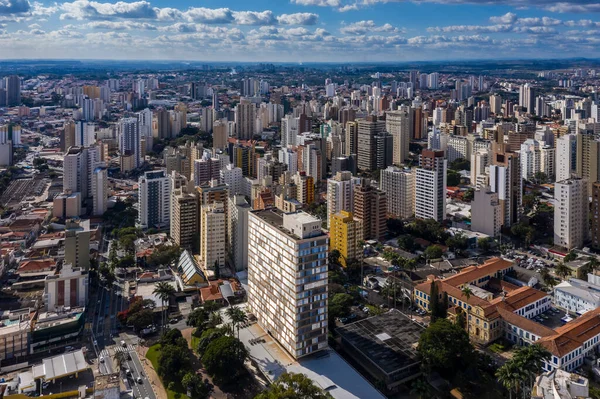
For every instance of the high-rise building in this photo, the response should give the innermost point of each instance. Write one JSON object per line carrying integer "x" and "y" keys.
{"x": 75, "y": 177}
{"x": 399, "y": 185}
{"x": 340, "y": 193}
{"x": 245, "y": 116}
{"x": 237, "y": 227}
{"x": 457, "y": 148}
{"x": 527, "y": 97}
{"x": 486, "y": 216}
{"x": 233, "y": 177}
{"x": 206, "y": 169}
{"x": 184, "y": 219}
{"x": 345, "y": 236}
{"x": 212, "y": 236}
{"x": 220, "y": 135}
{"x": 305, "y": 188}
{"x": 67, "y": 136}
{"x": 368, "y": 129}
{"x": 154, "y": 199}
{"x": 206, "y": 119}
{"x": 588, "y": 159}
{"x": 399, "y": 124}
{"x": 10, "y": 132}
{"x": 100, "y": 190}
{"x": 596, "y": 215}
{"x": 163, "y": 120}
{"x": 571, "y": 213}
{"x": 370, "y": 207}
{"x": 12, "y": 85}
{"x": 77, "y": 243}
{"x": 287, "y": 279}
{"x": 351, "y": 142}
{"x": 433, "y": 81}
{"x": 67, "y": 289}
{"x": 430, "y": 186}
{"x": 506, "y": 180}
{"x": 84, "y": 134}
{"x": 129, "y": 139}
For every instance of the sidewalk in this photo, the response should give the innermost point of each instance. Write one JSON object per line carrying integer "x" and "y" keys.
{"x": 155, "y": 382}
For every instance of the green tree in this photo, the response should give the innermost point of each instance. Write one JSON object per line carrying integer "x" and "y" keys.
{"x": 458, "y": 242}
{"x": 163, "y": 256}
{"x": 433, "y": 252}
{"x": 237, "y": 317}
{"x": 562, "y": 270}
{"x": 293, "y": 386}
{"x": 224, "y": 359}
{"x": 571, "y": 256}
{"x": 421, "y": 388}
{"x": 452, "y": 178}
{"x": 469, "y": 195}
{"x": 174, "y": 362}
{"x": 121, "y": 359}
{"x": 339, "y": 306}
{"x": 209, "y": 336}
{"x": 407, "y": 243}
{"x": 163, "y": 290}
{"x": 485, "y": 244}
{"x": 334, "y": 257}
{"x": 141, "y": 319}
{"x": 519, "y": 372}
{"x": 466, "y": 292}
{"x": 445, "y": 347}
{"x": 196, "y": 388}
{"x": 547, "y": 278}
{"x": 460, "y": 164}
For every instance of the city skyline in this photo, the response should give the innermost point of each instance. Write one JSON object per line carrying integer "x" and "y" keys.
{"x": 299, "y": 30}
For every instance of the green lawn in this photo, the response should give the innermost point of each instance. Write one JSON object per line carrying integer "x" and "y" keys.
{"x": 152, "y": 355}
{"x": 194, "y": 343}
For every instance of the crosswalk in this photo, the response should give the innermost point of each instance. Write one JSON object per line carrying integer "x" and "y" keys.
{"x": 120, "y": 348}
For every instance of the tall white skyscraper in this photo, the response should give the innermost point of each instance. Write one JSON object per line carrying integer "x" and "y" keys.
{"x": 154, "y": 199}
{"x": 287, "y": 279}
{"x": 430, "y": 186}
{"x": 245, "y": 116}
{"x": 399, "y": 184}
{"x": 233, "y": 177}
{"x": 129, "y": 139}
{"x": 75, "y": 165}
{"x": 84, "y": 134}
{"x": 212, "y": 235}
{"x": 571, "y": 213}
{"x": 100, "y": 190}
{"x": 399, "y": 124}
{"x": 433, "y": 81}
{"x": 566, "y": 156}
{"x": 527, "y": 97}
{"x": 145, "y": 125}
{"x": 340, "y": 193}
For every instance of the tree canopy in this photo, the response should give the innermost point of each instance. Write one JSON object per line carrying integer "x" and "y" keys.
{"x": 224, "y": 359}
{"x": 293, "y": 386}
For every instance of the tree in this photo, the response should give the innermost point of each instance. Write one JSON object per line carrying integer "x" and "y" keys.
{"x": 547, "y": 278}
{"x": 217, "y": 270}
{"x": 224, "y": 359}
{"x": 421, "y": 388}
{"x": 174, "y": 361}
{"x": 334, "y": 257}
{"x": 562, "y": 270}
{"x": 460, "y": 164}
{"x": 469, "y": 195}
{"x": 524, "y": 365}
{"x": 510, "y": 375}
{"x": 433, "y": 252}
{"x": 458, "y": 242}
{"x": 466, "y": 292}
{"x": 163, "y": 290}
{"x": 196, "y": 388}
{"x": 445, "y": 347}
{"x": 172, "y": 337}
{"x": 164, "y": 255}
{"x": 209, "y": 336}
{"x": 293, "y": 386}
{"x": 121, "y": 359}
{"x": 407, "y": 243}
{"x": 485, "y": 244}
{"x": 437, "y": 308}
{"x": 452, "y": 178}
{"x": 141, "y": 319}
{"x": 572, "y": 255}
{"x": 237, "y": 316}
{"x": 197, "y": 318}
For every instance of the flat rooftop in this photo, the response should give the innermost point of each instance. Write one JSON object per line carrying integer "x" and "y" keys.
{"x": 274, "y": 217}
{"x": 388, "y": 340}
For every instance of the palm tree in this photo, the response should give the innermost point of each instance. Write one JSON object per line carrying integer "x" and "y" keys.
{"x": 467, "y": 292}
{"x": 163, "y": 290}
{"x": 531, "y": 359}
{"x": 562, "y": 270}
{"x": 593, "y": 264}
{"x": 121, "y": 359}
{"x": 511, "y": 375}
{"x": 214, "y": 319}
{"x": 237, "y": 317}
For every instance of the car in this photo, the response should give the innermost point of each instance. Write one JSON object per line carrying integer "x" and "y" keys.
{"x": 139, "y": 380}
{"x": 128, "y": 356}
{"x": 101, "y": 359}
{"x": 173, "y": 321}
{"x": 365, "y": 309}
{"x": 123, "y": 344}
{"x": 69, "y": 348}
{"x": 343, "y": 320}
{"x": 543, "y": 316}
{"x": 352, "y": 317}
{"x": 128, "y": 372}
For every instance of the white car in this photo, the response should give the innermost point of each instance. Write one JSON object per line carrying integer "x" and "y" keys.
{"x": 123, "y": 344}
{"x": 101, "y": 359}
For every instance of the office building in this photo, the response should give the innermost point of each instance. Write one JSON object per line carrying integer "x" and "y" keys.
{"x": 68, "y": 289}
{"x": 370, "y": 207}
{"x": 130, "y": 140}
{"x": 570, "y": 213}
{"x": 566, "y": 157}
{"x": 184, "y": 219}
{"x": 368, "y": 129}
{"x": 212, "y": 237}
{"x": 430, "y": 186}
{"x": 77, "y": 244}
{"x": 163, "y": 124}
{"x": 99, "y": 190}
{"x": 12, "y": 85}
{"x": 340, "y": 193}
{"x": 345, "y": 236}
{"x": 287, "y": 279}
{"x": 245, "y": 116}
{"x": 237, "y": 225}
{"x": 506, "y": 180}
{"x": 486, "y": 217}
{"x": 75, "y": 164}
{"x": 233, "y": 177}
{"x": 399, "y": 185}
{"x": 351, "y": 138}
{"x": 399, "y": 124}
{"x": 154, "y": 199}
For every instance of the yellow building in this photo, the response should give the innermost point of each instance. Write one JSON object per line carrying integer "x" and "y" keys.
{"x": 345, "y": 235}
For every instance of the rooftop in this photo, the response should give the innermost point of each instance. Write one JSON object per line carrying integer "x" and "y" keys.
{"x": 275, "y": 218}
{"x": 388, "y": 340}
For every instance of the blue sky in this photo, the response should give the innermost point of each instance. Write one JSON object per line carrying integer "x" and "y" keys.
{"x": 300, "y": 30}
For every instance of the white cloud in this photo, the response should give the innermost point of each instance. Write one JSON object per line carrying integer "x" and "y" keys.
{"x": 363, "y": 27}
{"x": 301, "y": 18}
{"x": 544, "y": 21}
{"x": 535, "y": 30}
{"x": 120, "y": 25}
{"x": 254, "y": 17}
{"x": 471, "y": 28}
{"x": 209, "y": 15}
{"x": 507, "y": 18}
{"x": 319, "y": 3}
{"x": 85, "y": 9}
